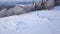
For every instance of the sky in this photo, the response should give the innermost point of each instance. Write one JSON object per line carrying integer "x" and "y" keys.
{"x": 18, "y": 0}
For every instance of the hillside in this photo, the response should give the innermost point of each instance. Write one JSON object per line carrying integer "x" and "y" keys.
{"x": 37, "y": 22}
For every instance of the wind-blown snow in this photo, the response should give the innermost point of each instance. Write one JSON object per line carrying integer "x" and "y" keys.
{"x": 37, "y": 22}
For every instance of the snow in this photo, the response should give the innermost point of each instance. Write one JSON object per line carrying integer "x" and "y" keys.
{"x": 56, "y": 8}
{"x": 36, "y": 22}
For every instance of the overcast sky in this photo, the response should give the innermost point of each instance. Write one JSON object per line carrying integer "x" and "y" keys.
{"x": 18, "y": 0}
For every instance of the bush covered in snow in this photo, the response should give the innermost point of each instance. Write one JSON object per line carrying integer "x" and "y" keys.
{"x": 15, "y": 10}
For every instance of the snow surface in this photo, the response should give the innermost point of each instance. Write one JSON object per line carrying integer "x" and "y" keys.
{"x": 37, "y": 22}
{"x": 56, "y": 8}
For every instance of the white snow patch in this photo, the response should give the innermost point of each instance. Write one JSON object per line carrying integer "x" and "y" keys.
{"x": 38, "y": 22}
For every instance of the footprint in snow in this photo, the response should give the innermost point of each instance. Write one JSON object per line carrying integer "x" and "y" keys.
{"x": 21, "y": 25}
{"x": 50, "y": 19}
{"x": 4, "y": 27}
{"x": 18, "y": 25}
{"x": 40, "y": 16}
{"x": 6, "y": 20}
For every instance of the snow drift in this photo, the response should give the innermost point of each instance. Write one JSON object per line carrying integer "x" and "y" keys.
{"x": 38, "y": 22}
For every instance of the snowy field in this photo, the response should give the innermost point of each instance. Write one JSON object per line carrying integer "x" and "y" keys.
{"x": 37, "y": 22}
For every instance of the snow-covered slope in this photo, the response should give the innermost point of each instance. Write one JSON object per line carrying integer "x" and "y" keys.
{"x": 57, "y": 8}
{"x": 37, "y": 22}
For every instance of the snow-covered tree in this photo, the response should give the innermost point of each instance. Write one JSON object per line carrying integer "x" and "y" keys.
{"x": 45, "y": 4}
